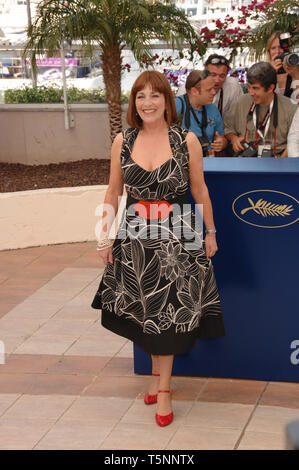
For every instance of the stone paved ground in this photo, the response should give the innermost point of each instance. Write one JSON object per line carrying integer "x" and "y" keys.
{"x": 69, "y": 384}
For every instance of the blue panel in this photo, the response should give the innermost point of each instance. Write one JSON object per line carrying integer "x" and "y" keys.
{"x": 256, "y": 215}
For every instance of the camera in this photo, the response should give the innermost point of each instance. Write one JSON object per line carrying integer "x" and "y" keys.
{"x": 249, "y": 150}
{"x": 265, "y": 151}
{"x": 204, "y": 143}
{"x": 290, "y": 59}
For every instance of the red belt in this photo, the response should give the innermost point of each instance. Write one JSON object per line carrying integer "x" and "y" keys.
{"x": 153, "y": 209}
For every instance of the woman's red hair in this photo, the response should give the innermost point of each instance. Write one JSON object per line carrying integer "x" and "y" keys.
{"x": 159, "y": 83}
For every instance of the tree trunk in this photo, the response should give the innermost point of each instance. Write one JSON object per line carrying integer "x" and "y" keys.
{"x": 111, "y": 64}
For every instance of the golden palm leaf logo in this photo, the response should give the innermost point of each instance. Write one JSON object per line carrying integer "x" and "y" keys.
{"x": 266, "y": 208}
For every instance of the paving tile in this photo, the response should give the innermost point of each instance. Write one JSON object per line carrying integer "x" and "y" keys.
{"x": 43, "y": 407}
{"x": 281, "y": 394}
{"x": 16, "y": 383}
{"x": 218, "y": 415}
{"x": 27, "y": 363}
{"x": 126, "y": 350}
{"x": 78, "y": 365}
{"x": 187, "y": 388}
{"x": 122, "y": 387}
{"x": 7, "y": 400}
{"x": 11, "y": 325}
{"x": 71, "y": 250}
{"x": 138, "y": 436}
{"x": 88, "y": 260}
{"x": 84, "y": 377}
{"x": 77, "y": 312}
{"x": 56, "y": 327}
{"x": 23, "y": 283}
{"x": 272, "y": 419}
{"x": 118, "y": 366}
{"x": 97, "y": 331}
{"x": 201, "y": 438}
{"x": 232, "y": 391}
{"x": 22, "y": 434}
{"x": 75, "y": 435}
{"x": 263, "y": 441}
{"x": 99, "y": 409}
{"x": 11, "y": 343}
{"x": 3, "y": 277}
{"x": 16, "y": 259}
{"x": 11, "y": 296}
{"x": 96, "y": 347}
{"x": 44, "y": 271}
{"x": 46, "y": 345}
{"x": 141, "y": 413}
{"x": 6, "y": 307}
{"x": 37, "y": 306}
{"x": 58, "y": 384}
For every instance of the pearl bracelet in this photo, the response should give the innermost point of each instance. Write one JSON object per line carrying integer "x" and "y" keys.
{"x": 104, "y": 244}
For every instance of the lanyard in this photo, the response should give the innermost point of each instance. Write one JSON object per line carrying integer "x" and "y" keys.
{"x": 204, "y": 123}
{"x": 220, "y": 101}
{"x": 262, "y": 129}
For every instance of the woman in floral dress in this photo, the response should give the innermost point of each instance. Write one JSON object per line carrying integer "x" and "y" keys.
{"x": 158, "y": 288}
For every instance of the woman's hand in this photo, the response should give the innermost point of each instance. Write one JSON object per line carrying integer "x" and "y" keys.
{"x": 277, "y": 64}
{"x": 106, "y": 255}
{"x": 210, "y": 245}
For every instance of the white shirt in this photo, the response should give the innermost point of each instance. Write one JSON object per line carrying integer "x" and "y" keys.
{"x": 293, "y": 136}
{"x": 232, "y": 90}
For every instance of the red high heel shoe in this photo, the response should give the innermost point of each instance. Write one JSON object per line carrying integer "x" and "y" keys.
{"x": 167, "y": 419}
{"x": 151, "y": 399}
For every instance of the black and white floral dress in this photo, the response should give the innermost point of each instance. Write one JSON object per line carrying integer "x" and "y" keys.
{"x": 160, "y": 292}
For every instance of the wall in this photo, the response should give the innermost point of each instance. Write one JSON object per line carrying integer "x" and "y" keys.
{"x": 49, "y": 216}
{"x": 35, "y": 134}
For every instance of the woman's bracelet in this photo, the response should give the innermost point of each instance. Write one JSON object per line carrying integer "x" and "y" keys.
{"x": 210, "y": 231}
{"x": 104, "y": 244}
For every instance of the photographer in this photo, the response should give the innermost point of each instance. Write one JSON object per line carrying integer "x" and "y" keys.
{"x": 293, "y": 72}
{"x": 293, "y": 137}
{"x": 284, "y": 62}
{"x": 228, "y": 89}
{"x": 258, "y": 123}
{"x": 197, "y": 113}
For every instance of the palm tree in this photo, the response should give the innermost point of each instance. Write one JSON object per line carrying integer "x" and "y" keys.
{"x": 112, "y": 25}
{"x": 281, "y": 15}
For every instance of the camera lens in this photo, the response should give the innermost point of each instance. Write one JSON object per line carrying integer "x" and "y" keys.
{"x": 292, "y": 60}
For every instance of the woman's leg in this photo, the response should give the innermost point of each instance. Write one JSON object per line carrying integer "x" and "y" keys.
{"x": 164, "y": 399}
{"x": 153, "y": 388}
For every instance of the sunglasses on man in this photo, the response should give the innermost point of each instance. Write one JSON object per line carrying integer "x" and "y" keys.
{"x": 217, "y": 61}
{"x": 202, "y": 76}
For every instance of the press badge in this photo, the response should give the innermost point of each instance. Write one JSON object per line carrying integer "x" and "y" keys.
{"x": 264, "y": 151}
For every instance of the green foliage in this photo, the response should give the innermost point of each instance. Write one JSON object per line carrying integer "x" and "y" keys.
{"x": 278, "y": 16}
{"x": 54, "y": 94}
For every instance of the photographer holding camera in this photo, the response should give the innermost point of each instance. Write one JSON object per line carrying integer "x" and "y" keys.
{"x": 285, "y": 63}
{"x": 258, "y": 123}
{"x": 197, "y": 113}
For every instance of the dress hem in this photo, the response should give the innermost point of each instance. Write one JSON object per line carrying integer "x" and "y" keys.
{"x": 210, "y": 328}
